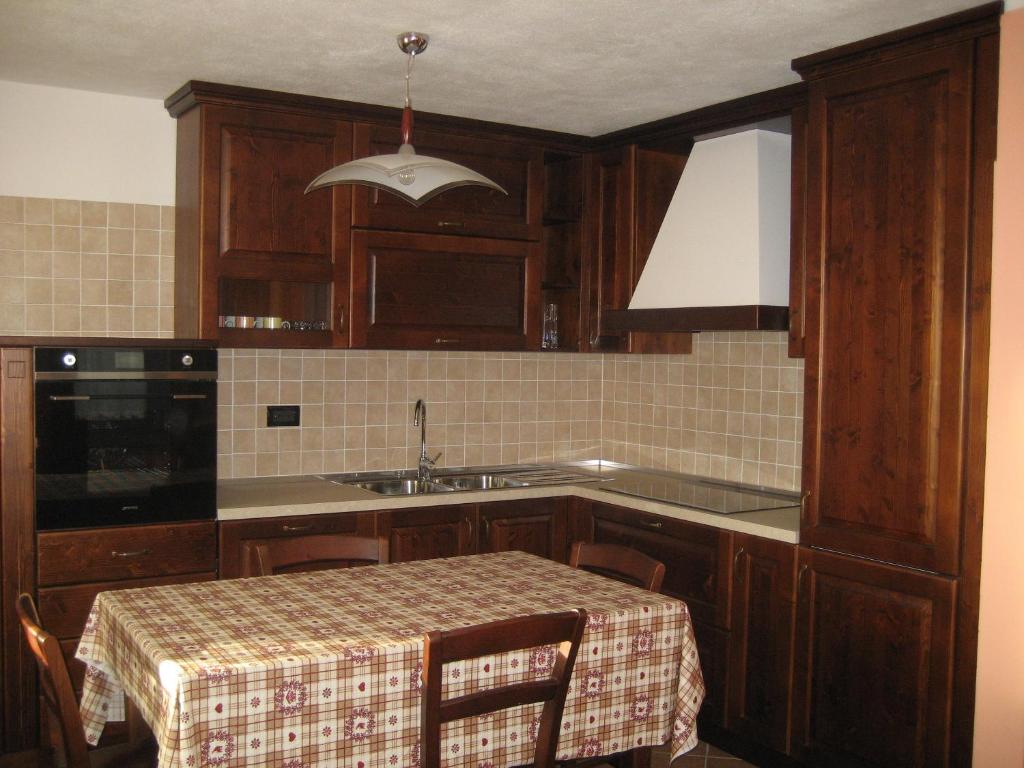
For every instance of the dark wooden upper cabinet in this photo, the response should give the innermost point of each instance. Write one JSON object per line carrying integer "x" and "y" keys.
{"x": 444, "y": 292}
{"x": 537, "y": 526}
{"x": 874, "y": 658}
{"x": 887, "y": 212}
{"x": 249, "y": 242}
{"x": 761, "y": 645}
{"x": 517, "y": 168}
{"x": 628, "y": 191}
{"x": 607, "y": 281}
{"x": 798, "y": 231}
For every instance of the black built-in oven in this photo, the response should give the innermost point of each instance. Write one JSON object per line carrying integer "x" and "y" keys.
{"x": 125, "y": 436}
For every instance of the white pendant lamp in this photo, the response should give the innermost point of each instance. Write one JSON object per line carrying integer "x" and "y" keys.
{"x": 414, "y": 178}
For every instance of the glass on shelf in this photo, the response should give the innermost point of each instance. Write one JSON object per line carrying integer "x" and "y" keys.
{"x": 549, "y": 338}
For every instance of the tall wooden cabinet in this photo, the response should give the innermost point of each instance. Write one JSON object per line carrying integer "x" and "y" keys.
{"x": 899, "y": 152}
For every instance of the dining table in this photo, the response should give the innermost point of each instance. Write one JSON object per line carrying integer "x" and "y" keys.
{"x": 308, "y": 670}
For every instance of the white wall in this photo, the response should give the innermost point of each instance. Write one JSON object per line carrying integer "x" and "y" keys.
{"x": 80, "y": 145}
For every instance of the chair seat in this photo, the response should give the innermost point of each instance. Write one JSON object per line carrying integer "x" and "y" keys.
{"x": 142, "y": 755}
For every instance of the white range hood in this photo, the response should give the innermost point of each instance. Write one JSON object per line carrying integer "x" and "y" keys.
{"x": 721, "y": 258}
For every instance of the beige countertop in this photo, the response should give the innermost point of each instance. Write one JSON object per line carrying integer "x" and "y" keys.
{"x": 313, "y": 495}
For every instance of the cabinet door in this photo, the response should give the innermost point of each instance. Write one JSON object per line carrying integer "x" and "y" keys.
{"x": 537, "y": 526}
{"x": 761, "y": 644}
{"x": 607, "y": 268}
{"x": 250, "y": 242}
{"x": 517, "y": 168}
{"x": 236, "y": 534}
{"x": 888, "y": 148}
{"x": 443, "y": 292}
{"x": 628, "y": 194}
{"x": 697, "y": 558}
{"x": 429, "y": 532}
{"x": 875, "y": 652}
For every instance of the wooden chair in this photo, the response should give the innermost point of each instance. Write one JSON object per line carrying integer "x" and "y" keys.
{"x": 65, "y": 722}
{"x": 620, "y": 563}
{"x": 312, "y": 553}
{"x": 439, "y": 648}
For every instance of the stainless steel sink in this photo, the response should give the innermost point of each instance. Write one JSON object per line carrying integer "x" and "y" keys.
{"x": 403, "y": 487}
{"x": 481, "y": 482}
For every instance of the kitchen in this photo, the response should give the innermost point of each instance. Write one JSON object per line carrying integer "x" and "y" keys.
{"x": 485, "y": 408}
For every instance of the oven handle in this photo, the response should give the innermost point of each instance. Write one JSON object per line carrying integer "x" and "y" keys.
{"x": 188, "y": 397}
{"x": 71, "y": 397}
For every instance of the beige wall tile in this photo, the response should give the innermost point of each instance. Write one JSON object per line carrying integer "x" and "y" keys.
{"x": 12, "y": 210}
{"x": 38, "y": 211}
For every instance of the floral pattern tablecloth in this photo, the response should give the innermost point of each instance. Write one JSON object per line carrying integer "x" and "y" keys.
{"x": 323, "y": 668}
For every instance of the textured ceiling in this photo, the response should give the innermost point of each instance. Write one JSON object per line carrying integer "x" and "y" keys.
{"x": 582, "y": 66}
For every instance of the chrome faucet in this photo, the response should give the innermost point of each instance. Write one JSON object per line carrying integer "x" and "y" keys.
{"x": 419, "y": 419}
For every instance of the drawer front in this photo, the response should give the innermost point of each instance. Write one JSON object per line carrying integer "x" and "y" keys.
{"x": 697, "y": 558}
{"x": 63, "y": 610}
{"x": 235, "y": 534}
{"x": 471, "y": 210}
{"x": 113, "y": 554}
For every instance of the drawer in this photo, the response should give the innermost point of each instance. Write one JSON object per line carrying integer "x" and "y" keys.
{"x": 63, "y": 610}
{"x": 133, "y": 552}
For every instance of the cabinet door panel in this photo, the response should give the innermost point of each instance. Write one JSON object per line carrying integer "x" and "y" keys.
{"x": 697, "y": 558}
{"x": 887, "y": 260}
{"x": 424, "y": 291}
{"x": 761, "y": 646}
{"x": 517, "y": 168}
{"x": 875, "y": 646}
{"x": 236, "y": 534}
{"x": 426, "y": 533}
{"x": 537, "y": 526}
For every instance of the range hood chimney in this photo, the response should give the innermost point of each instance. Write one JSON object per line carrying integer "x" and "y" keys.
{"x": 721, "y": 258}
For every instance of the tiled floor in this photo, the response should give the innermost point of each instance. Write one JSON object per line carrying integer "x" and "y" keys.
{"x": 704, "y": 756}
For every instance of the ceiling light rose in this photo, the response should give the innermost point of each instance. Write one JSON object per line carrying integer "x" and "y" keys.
{"x": 414, "y": 178}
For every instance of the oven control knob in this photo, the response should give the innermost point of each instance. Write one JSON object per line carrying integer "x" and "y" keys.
{"x": 69, "y": 359}
{"x": 187, "y": 360}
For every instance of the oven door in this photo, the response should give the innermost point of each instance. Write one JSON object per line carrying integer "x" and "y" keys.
{"x": 122, "y": 452}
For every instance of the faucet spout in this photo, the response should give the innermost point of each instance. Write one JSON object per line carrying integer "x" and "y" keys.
{"x": 419, "y": 419}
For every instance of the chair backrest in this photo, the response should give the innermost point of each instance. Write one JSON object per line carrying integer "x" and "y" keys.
{"x": 618, "y": 562}
{"x": 439, "y": 648}
{"x": 312, "y": 553}
{"x": 55, "y": 685}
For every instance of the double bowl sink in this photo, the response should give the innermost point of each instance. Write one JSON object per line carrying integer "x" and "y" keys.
{"x": 404, "y": 485}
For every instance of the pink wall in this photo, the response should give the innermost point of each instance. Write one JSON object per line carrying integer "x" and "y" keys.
{"x": 999, "y": 714}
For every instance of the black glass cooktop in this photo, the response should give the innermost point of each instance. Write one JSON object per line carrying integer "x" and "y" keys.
{"x": 698, "y": 494}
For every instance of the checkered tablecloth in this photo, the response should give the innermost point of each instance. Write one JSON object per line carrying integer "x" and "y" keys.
{"x": 323, "y": 669}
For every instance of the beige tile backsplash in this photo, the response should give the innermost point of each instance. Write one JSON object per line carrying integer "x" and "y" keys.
{"x": 85, "y": 268}
{"x": 730, "y": 410}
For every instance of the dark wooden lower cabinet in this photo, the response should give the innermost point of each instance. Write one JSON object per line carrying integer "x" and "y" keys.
{"x": 761, "y": 642}
{"x": 236, "y": 534}
{"x": 874, "y": 657}
{"x": 537, "y": 526}
{"x": 697, "y": 557}
{"x": 427, "y": 532}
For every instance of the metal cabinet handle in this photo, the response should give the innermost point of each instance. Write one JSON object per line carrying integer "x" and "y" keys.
{"x": 450, "y": 224}
{"x": 487, "y": 527}
{"x": 70, "y": 397}
{"x": 341, "y": 317}
{"x": 800, "y": 578}
{"x": 441, "y": 340}
{"x": 652, "y": 523}
{"x": 736, "y": 557}
{"x": 134, "y": 553}
{"x": 188, "y": 397}
{"x": 469, "y": 524}
{"x": 295, "y": 528}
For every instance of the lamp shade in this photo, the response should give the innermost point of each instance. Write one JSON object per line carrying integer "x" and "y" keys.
{"x": 414, "y": 178}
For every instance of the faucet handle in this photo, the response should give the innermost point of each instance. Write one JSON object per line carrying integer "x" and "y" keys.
{"x": 433, "y": 461}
